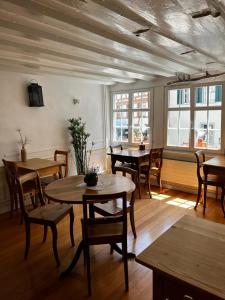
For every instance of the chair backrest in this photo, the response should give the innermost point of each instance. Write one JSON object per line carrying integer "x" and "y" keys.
{"x": 93, "y": 199}
{"x": 200, "y": 158}
{"x": 10, "y": 173}
{"x": 134, "y": 176}
{"x": 58, "y": 155}
{"x": 32, "y": 179}
{"x": 114, "y": 147}
{"x": 156, "y": 158}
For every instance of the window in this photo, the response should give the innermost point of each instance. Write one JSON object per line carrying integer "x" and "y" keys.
{"x": 131, "y": 117}
{"x": 178, "y": 133}
{"x": 203, "y": 109}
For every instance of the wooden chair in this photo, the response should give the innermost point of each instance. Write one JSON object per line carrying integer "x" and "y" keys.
{"x": 115, "y": 207}
{"x": 47, "y": 215}
{"x": 11, "y": 173}
{"x": 104, "y": 230}
{"x": 153, "y": 168}
{"x": 206, "y": 179}
{"x": 115, "y": 147}
{"x": 64, "y": 168}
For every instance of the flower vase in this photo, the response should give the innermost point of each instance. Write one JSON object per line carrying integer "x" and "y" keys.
{"x": 91, "y": 179}
{"x": 23, "y": 154}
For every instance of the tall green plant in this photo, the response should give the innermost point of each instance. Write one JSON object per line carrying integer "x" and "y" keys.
{"x": 79, "y": 136}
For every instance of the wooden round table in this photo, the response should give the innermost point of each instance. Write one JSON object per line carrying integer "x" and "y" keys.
{"x": 71, "y": 189}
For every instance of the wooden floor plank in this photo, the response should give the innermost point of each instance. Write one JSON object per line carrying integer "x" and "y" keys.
{"x": 38, "y": 277}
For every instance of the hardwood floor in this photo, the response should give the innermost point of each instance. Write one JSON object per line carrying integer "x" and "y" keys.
{"x": 38, "y": 277}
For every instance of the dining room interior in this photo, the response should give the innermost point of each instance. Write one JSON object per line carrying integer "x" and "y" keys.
{"x": 112, "y": 146}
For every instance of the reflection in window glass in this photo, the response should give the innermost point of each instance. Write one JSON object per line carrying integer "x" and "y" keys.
{"x": 120, "y": 101}
{"x": 179, "y": 98}
{"x": 178, "y": 133}
{"x": 120, "y": 126}
{"x": 140, "y": 126}
{"x": 208, "y": 129}
{"x": 201, "y": 96}
{"x": 141, "y": 100}
{"x": 215, "y": 95}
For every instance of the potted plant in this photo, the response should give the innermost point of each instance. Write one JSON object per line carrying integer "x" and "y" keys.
{"x": 23, "y": 142}
{"x": 79, "y": 136}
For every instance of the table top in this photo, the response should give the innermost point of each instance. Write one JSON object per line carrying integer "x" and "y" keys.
{"x": 192, "y": 250}
{"x": 36, "y": 164}
{"x": 130, "y": 152}
{"x": 217, "y": 161}
{"x": 71, "y": 189}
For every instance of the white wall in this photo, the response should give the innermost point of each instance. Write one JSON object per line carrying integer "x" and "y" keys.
{"x": 46, "y": 127}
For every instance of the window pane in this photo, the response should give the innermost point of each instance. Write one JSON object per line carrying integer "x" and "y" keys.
{"x": 120, "y": 101}
{"x": 184, "y": 128}
{"x": 214, "y": 130}
{"x": 141, "y": 100}
{"x": 215, "y": 95}
{"x": 201, "y": 129}
{"x": 172, "y": 133}
{"x": 178, "y": 128}
{"x": 201, "y": 96}
{"x": 140, "y": 127}
{"x": 208, "y": 129}
{"x": 179, "y": 98}
{"x": 120, "y": 126}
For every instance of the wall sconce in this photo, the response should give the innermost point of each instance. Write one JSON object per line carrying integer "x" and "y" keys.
{"x": 76, "y": 101}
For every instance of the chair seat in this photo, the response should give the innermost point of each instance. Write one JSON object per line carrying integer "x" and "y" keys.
{"x": 214, "y": 180}
{"x": 98, "y": 231}
{"x": 47, "y": 180}
{"x": 50, "y": 212}
{"x": 154, "y": 170}
{"x": 113, "y": 207}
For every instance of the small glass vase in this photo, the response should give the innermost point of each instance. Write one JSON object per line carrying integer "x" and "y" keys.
{"x": 91, "y": 179}
{"x": 23, "y": 154}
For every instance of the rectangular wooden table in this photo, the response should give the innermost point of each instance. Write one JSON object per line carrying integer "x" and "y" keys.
{"x": 135, "y": 157}
{"x": 44, "y": 167}
{"x": 188, "y": 261}
{"x": 216, "y": 166}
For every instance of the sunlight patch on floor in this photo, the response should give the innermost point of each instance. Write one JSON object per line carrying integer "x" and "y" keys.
{"x": 156, "y": 196}
{"x": 181, "y": 203}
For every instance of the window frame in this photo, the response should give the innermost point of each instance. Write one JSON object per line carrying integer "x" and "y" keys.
{"x": 130, "y": 111}
{"x": 192, "y": 109}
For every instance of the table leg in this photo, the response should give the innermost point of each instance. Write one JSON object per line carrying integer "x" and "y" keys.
{"x": 91, "y": 211}
{"x": 139, "y": 178}
{"x": 74, "y": 261}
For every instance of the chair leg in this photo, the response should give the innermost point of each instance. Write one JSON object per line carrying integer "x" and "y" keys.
{"x": 45, "y": 233}
{"x": 12, "y": 201}
{"x": 222, "y": 201}
{"x": 88, "y": 266}
{"x": 54, "y": 243}
{"x": 217, "y": 188}
{"x": 71, "y": 226}
{"x": 125, "y": 261}
{"x": 199, "y": 195}
{"x": 149, "y": 187}
{"x": 111, "y": 249}
{"x": 132, "y": 222}
{"x": 205, "y": 196}
{"x": 27, "y": 247}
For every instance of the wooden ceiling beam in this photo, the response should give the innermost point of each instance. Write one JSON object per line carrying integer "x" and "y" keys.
{"x": 64, "y": 13}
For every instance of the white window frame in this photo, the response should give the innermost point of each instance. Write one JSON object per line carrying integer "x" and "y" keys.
{"x": 130, "y": 110}
{"x": 192, "y": 109}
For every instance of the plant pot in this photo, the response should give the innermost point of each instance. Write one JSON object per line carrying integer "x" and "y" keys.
{"x": 23, "y": 154}
{"x": 91, "y": 179}
{"x": 141, "y": 147}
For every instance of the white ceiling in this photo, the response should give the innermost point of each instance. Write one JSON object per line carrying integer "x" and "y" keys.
{"x": 95, "y": 39}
